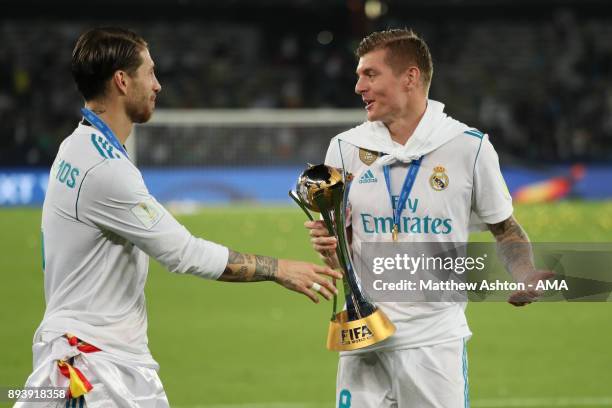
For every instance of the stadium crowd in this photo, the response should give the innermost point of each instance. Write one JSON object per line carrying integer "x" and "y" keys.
{"x": 542, "y": 89}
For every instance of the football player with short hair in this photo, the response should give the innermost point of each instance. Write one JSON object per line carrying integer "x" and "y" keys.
{"x": 100, "y": 225}
{"x": 419, "y": 176}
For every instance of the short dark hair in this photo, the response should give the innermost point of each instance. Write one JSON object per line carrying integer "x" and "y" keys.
{"x": 100, "y": 52}
{"x": 403, "y": 47}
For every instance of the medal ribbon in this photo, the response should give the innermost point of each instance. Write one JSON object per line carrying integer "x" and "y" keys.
{"x": 406, "y": 188}
{"x": 103, "y": 127}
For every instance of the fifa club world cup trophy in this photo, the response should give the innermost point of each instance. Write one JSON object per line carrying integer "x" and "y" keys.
{"x": 324, "y": 189}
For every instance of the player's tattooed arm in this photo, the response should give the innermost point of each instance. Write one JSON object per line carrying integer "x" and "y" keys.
{"x": 514, "y": 250}
{"x": 249, "y": 268}
{"x": 293, "y": 275}
{"x": 513, "y": 247}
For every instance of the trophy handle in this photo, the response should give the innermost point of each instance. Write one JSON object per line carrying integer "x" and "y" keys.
{"x": 363, "y": 307}
{"x": 356, "y": 302}
{"x": 299, "y": 202}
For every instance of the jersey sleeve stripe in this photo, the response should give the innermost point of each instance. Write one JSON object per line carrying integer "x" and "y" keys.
{"x": 97, "y": 146}
{"x": 475, "y": 133}
{"x": 476, "y": 159}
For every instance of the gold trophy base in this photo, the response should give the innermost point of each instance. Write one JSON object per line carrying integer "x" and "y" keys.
{"x": 345, "y": 336}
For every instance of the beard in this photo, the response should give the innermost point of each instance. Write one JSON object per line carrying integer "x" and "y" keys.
{"x": 139, "y": 111}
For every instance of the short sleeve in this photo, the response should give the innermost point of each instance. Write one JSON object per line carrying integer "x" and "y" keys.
{"x": 491, "y": 200}
{"x": 113, "y": 197}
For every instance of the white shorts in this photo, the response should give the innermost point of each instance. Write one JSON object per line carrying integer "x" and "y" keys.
{"x": 424, "y": 377}
{"x": 114, "y": 384}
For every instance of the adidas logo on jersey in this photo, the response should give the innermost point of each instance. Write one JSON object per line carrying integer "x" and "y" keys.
{"x": 367, "y": 177}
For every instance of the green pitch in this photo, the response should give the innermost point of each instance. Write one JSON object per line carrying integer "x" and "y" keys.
{"x": 220, "y": 344}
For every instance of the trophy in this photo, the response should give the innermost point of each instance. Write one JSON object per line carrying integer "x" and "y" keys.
{"x": 324, "y": 189}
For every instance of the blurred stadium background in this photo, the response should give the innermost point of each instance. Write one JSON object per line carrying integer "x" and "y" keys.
{"x": 254, "y": 90}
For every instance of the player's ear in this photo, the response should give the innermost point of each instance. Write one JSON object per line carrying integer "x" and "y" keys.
{"x": 121, "y": 80}
{"x": 410, "y": 77}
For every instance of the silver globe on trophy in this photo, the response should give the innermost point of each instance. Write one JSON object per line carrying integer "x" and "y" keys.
{"x": 324, "y": 189}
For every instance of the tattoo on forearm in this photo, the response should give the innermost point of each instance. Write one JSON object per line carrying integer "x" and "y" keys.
{"x": 513, "y": 247}
{"x": 265, "y": 267}
{"x": 509, "y": 231}
{"x": 242, "y": 272}
{"x": 249, "y": 268}
{"x": 235, "y": 258}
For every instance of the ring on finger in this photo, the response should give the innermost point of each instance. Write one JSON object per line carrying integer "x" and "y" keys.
{"x": 315, "y": 286}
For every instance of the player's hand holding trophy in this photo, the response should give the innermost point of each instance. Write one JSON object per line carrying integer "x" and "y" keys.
{"x": 325, "y": 189}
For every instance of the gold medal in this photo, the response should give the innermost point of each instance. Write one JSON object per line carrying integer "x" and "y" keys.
{"x": 401, "y": 202}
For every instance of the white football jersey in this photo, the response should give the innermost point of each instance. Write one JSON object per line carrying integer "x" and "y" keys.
{"x": 99, "y": 226}
{"x": 458, "y": 182}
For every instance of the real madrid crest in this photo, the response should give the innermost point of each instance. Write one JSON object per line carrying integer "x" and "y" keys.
{"x": 368, "y": 156}
{"x": 439, "y": 180}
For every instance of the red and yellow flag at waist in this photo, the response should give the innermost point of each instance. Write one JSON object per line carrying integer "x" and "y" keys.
{"x": 79, "y": 385}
